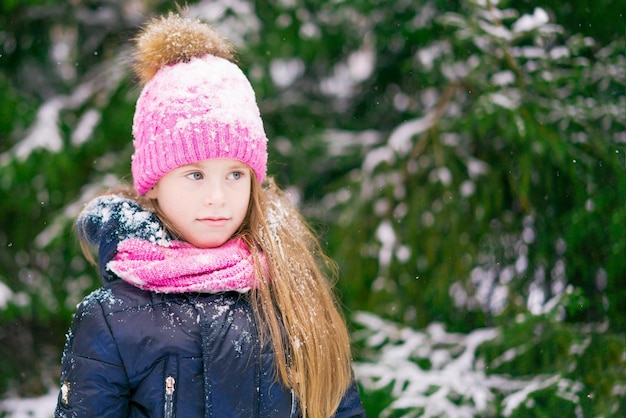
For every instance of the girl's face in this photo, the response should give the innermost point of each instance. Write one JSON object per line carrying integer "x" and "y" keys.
{"x": 205, "y": 202}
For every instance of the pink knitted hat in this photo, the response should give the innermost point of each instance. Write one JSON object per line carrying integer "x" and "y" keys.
{"x": 196, "y": 104}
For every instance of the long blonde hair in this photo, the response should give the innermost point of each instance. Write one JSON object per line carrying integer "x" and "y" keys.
{"x": 294, "y": 303}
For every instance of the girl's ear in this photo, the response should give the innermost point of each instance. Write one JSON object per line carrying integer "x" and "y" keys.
{"x": 152, "y": 193}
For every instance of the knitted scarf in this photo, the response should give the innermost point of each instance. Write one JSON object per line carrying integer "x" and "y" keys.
{"x": 180, "y": 267}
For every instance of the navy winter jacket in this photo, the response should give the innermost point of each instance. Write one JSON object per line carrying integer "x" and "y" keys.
{"x": 134, "y": 353}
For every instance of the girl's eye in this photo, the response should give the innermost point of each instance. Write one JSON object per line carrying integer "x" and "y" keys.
{"x": 196, "y": 175}
{"x": 236, "y": 175}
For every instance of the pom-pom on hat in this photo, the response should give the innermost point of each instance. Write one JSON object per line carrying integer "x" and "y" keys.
{"x": 196, "y": 103}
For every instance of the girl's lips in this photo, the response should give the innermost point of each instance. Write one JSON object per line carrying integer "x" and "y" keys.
{"x": 214, "y": 221}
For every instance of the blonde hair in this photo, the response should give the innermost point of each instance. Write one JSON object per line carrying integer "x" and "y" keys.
{"x": 293, "y": 302}
{"x": 296, "y": 305}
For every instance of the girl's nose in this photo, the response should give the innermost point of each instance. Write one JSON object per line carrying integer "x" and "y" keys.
{"x": 214, "y": 195}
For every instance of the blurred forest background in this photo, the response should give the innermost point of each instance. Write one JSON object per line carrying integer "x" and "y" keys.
{"x": 463, "y": 161}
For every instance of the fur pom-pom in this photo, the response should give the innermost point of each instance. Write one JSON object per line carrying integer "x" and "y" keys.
{"x": 173, "y": 38}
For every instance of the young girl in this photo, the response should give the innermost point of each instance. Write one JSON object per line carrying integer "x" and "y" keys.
{"x": 215, "y": 301}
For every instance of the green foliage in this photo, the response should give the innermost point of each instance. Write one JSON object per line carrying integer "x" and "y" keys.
{"x": 537, "y": 365}
{"x": 586, "y": 355}
{"x": 376, "y": 402}
{"x": 504, "y": 175}
{"x": 583, "y": 16}
{"x": 464, "y": 164}
{"x": 544, "y": 404}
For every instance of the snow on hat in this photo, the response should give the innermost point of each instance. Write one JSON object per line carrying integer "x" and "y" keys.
{"x": 196, "y": 104}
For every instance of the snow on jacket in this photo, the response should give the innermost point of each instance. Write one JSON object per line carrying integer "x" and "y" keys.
{"x": 135, "y": 353}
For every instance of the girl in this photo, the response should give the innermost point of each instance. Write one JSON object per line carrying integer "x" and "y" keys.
{"x": 214, "y": 300}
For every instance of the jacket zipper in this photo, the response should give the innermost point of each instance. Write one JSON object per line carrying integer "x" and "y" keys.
{"x": 170, "y": 382}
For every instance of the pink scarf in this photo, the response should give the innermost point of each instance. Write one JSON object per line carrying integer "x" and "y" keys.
{"x": 180, "y": 267}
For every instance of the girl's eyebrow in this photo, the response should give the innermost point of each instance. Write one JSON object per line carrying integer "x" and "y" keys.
{"x": 198, "y": 166}
{"x": 238, "y": 165}
{"x": 186, "y": 169}
{"x": 188, "y": 166}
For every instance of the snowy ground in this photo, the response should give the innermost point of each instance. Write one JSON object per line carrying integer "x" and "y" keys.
{"x": 41, "y": 407}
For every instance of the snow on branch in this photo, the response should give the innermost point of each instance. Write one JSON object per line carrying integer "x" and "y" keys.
{"x": 45, "y": 132}
{"x": 434, "y": 373}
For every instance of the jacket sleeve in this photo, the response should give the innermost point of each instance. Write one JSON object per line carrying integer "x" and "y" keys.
{"x": 351, "y": 405}
{"x": 93, "y": 379}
